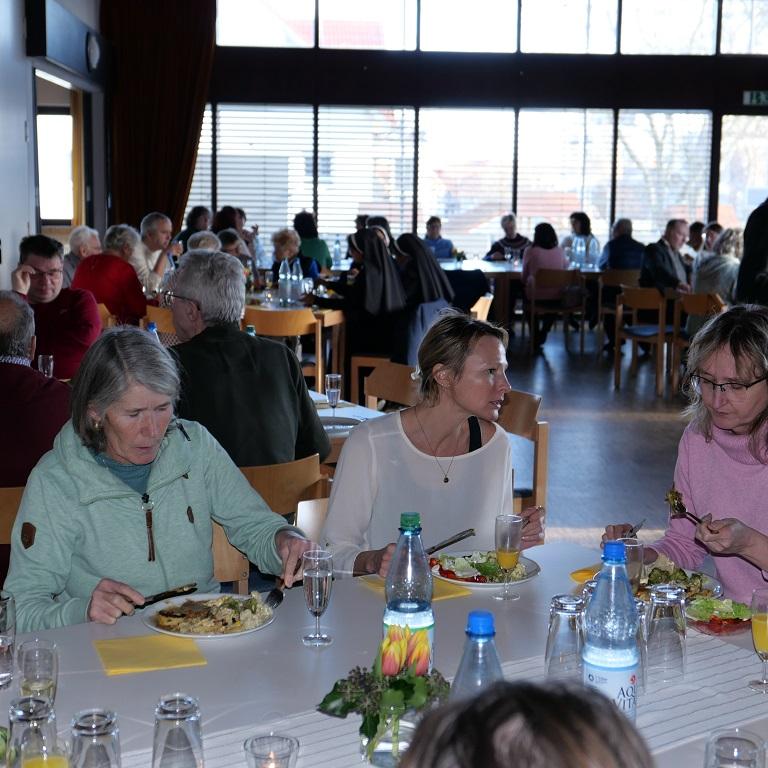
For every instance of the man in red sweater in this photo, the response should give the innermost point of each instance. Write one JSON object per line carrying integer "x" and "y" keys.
{"x": 66, "y": 320}
{"x": 110, "y": 277}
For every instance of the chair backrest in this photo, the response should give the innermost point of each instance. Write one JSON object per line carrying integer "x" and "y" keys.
{"x": 162, "y": 317}
{"x": 393, "y": 382}
{"x": 283, "y": 486}
{"x": 613, "y": 278}
{"x": 10, "y": 499}
{"x": 310, "y": 517}
{"x": 229, "y": 564}
{"x": 641, "y": 298}
{"x": 701, "y": 303}
{"x": 557, "y": 278}
{"x": 281, "y": 322}
{"x": 107, "y": 318}
{"x": 482, "y": 307}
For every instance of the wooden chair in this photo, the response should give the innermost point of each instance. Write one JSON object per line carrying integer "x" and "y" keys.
{"x": 229, "y": 563}
{"x": 563, "y": 280}
{"x": 310, "y": 517}
{"x": 10, "y": 499}
{"x": 393, "y": 382}
{"x": 656, "y": 334}
{"x": 162, "y": 318}
{"x": 482, "y": 307}
{"x": 696, "y": 304}
{"x": 611, "y": 278}
{"x": 358, "y": 363}
{"x": 108, "y": 320}
{"x": 291, "y": 322}
{"x": 519, "y": 416}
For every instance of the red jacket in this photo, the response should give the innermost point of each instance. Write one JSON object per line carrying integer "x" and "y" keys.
{"x": 113, "y": 282}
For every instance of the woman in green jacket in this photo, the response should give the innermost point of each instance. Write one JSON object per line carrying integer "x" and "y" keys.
{"x": 123, "y": 505}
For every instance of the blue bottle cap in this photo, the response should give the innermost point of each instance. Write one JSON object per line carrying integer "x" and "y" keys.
{"x": 480, "y": 623}
{"x": 614, "y": 551}
{"x": 151, "y": 326}
{"x": 410, "y": 520}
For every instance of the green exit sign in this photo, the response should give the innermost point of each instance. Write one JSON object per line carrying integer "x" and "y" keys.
{"x": 756, "y": 98}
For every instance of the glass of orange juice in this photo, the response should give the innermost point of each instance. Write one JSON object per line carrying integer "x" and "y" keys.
{"x": 509, "y": 530}
{"x": 760, "y": 635}
{"x": 42, "y": 756}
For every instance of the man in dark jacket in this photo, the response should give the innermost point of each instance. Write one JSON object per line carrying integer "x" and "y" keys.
{"x": 621, "y": 251}
{"x": 248, "y": 392}
{"x": 663, "y": 266}
{"x": 752, "y": 283}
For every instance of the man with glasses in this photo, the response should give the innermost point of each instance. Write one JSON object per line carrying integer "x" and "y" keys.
{"x": 66, "y": 319}
{"x": 247, "y": 391}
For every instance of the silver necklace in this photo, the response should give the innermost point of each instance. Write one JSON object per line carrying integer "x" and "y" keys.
{"x": 445, "y": 472}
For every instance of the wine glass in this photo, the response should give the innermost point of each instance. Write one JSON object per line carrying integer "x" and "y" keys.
{"x": 760, "y": 635}
{"x": 38, "y": 668}
{"x": 509, "y": 529}
{"x": 333, "y": 390}
{"x": 318, "y": 579}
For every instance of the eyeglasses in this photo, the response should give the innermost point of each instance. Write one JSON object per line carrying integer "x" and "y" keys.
{"x": 54, "y": 274}
{"x": 168, "y": 297}
{"x": 734, "y": 388}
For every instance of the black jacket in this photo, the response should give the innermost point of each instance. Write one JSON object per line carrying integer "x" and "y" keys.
{"x": 659, "y": 269}
{"x": 752, "y": 283}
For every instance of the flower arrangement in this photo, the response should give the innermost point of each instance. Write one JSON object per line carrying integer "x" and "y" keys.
{"x": 398, "y": 682}
{"x": 458, "y": 255}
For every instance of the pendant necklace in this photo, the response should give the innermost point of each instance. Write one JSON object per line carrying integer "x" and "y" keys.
{"x": 445, "y": 472}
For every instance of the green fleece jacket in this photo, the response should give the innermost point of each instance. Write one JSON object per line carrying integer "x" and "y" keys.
{"x": 78, "y": 523}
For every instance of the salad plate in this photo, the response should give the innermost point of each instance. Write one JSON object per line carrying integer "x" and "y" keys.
{"x": 466, "y": 566}
{"x": 718, "y": 616}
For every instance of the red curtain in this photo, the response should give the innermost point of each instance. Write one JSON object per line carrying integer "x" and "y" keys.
{"x": 160, "y": 76}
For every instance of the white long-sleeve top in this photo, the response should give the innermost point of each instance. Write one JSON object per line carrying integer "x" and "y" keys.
{"x": 381, "y": 474}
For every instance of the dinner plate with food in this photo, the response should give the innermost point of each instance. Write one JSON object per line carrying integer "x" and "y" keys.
{"x": 480, "y": 570}
{"x": 718, "y": 615}
{"x": 210, "y": 615}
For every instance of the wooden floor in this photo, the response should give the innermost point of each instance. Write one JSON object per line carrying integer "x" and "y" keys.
{"x": 612, "y": 453}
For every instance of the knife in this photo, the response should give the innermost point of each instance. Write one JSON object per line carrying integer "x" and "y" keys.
{"x": 185, "y": 590}
{"x": 452, "y": 540}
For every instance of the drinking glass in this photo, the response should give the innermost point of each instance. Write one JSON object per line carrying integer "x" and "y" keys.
{"x": 307, "y": 286}
{"x": 509, "y": 529}
{"x": 760, "y": 636}
{"x": 273, "y": 750}
{"x": 588, "y": 590}
{"x": 333, "y": 390}
{"x": 734, "y": 747}
{"x": 635, "y": 553}
{"x": 318, "y": 578}
{"x": 507, "y": 253}
{"x": 95, "y": 739}
{"x": 178, "y": 739}
{"x": 45, "y": 365}
{"x": 565, "y": 638}
{"x": 38, "y": 668}
{"x": 43, "y": 756}
{"x": 7, "y": 637}
{"x": 666, "y": 635}
{"x": 642, "y": 643}
{"x": 32, "y": 727}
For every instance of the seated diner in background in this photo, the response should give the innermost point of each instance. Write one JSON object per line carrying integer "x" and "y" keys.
{"x": 512, "y": 245}
{"x": 722, "y": 459}
{"x": 83, "y": 242}
{"x": 312, "y": 245}
{"x": 67, "y": 320}
{"x": 198, "y": 220}
{"x": 155, "y": 256}
{"x": 123, "y": 505}
{"x": 444, "y": 458}
{"x": 286, "y": 243}
{"x": 441, "y": 247}
{"x": 581, "y": 246}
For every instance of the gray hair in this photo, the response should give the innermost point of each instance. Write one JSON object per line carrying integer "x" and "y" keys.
{"x": 508, "y": 217}
{"x": 204, "y": 241}
{"x": 149, "y": 222}
{"x": 79, "y": 236}
{"x": 215, "y": 281}
{"x": 622, "y": 227}
{"x": 17, "y": 325}
{"x": 743, "y": 331}
{"x": 119, "y": 358}
{"x": 120, "y": 235}
{"x": 726, "y": 243}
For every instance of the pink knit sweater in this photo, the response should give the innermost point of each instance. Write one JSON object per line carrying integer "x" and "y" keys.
{"x": 722, "y": 478}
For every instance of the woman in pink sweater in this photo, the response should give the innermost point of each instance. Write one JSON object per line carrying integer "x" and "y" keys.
{"x": 722, "y": 460}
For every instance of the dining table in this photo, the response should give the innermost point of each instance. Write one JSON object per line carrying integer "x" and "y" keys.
{"x": 268, "y": 681}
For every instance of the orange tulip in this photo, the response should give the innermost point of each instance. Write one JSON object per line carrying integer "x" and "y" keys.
{"x": 394, "y": 648}
{"x": 418, "y": 652}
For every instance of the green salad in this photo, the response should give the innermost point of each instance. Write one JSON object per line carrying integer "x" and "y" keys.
{"x": 708, "y": 608}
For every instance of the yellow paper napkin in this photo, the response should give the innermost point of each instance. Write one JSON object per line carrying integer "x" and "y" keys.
{"x": 585, "y": 574}
{"x": 441, "y": 590}
{"x": 127, "y": 655}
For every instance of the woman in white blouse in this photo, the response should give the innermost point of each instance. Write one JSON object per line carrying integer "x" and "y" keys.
{"x": 444, "y": 458}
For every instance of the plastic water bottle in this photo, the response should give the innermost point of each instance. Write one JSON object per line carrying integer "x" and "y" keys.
{"x": 337, "y": 252}
{"x": 578, "y": 250}
{"x": 296, "y": 278}
{"x": 479, "y": 666}
{"x": 250, "y": 330}
{"x": 152, "y": 328}
{"x": 408, "y": 592}
{"x": 610, "y": 652}
{"x": 284, "y": 283}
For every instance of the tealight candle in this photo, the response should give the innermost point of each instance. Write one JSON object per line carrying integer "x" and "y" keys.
{"x": 271, "y": 751}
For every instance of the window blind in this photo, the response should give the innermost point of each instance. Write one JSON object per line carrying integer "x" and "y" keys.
{"x": 201, "y": 191}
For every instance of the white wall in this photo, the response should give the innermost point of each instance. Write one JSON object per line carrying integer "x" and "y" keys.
{"x": 17, "y": 193}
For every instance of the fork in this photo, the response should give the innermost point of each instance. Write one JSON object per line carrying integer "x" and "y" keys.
{"x": 275, "y": 595}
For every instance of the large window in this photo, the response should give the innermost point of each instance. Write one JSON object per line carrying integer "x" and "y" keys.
{"x": 54, "y": 162}
{"x": 663, "y": 168}
{"x": 564, "y": 165}
{"x": 568, "y": 26}
{"x": 201, "y": 191}
{"x": 489, "y": 26}
{"x": 745, "y": 27}
{"x": 743, "y": 168}
{"x": 465, "y": 173}
{"x": 271, "y": 23}
{"x": 664, "y": 27}
{"x": 368, "y": 24}
{"x": 369, "y": 159}
{"x": 264, "y": 161}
